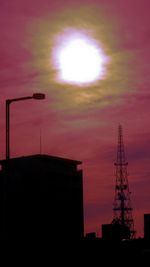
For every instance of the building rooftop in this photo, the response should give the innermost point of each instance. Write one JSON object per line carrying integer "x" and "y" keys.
{"x": 43, "y": 156}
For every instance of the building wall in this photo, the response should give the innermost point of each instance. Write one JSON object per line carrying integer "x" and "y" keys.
{"x": 44, "y": 198}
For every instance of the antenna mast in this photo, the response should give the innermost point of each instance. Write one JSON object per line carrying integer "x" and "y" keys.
{"x": 122, "y": 203}
{"x": 40, "y": 141}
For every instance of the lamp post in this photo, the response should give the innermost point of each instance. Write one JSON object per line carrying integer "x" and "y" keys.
{"x": 37, "y": 96}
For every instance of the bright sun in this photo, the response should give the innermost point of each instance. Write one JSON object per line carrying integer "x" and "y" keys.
{"x": 79, "y": 59}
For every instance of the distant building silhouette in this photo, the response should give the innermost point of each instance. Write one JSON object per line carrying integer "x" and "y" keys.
{"x": 90, "y": 236}
{"x": 115, "y": 232}
{"x": 41, "y": 198}
{"x": 147, "y": 226}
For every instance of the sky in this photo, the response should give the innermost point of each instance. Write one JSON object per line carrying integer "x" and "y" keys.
{"x": 74, "y": 121}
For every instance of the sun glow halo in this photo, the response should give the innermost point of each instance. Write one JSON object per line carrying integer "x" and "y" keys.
{"x": 79, "y": 60}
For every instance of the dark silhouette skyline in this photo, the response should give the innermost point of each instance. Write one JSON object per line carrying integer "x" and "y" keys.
{"x": 42, "y": 203}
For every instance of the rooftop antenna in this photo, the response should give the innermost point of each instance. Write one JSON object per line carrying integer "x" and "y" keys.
{"x": 40, "y": 141}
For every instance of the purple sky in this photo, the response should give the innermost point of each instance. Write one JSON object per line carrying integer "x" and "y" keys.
{"x": 81, "y": 123}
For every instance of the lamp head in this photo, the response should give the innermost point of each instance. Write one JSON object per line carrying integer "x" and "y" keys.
{"x": 38, "y": 96}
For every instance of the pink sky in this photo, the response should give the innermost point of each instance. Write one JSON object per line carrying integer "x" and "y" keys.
{"x": 85, "y": 130}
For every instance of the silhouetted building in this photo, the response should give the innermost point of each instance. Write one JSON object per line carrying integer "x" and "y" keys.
{"x": 147, "y": 226}
{"x": 90, "y": 236}
{"x": 43, "y": 198}
{"x": 115, "y": 232}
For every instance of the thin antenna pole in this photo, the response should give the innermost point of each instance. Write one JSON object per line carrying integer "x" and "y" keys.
{"x": 40, "y": 141}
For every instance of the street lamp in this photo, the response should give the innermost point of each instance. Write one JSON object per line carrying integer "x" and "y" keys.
{"x": 37, "y": 96}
